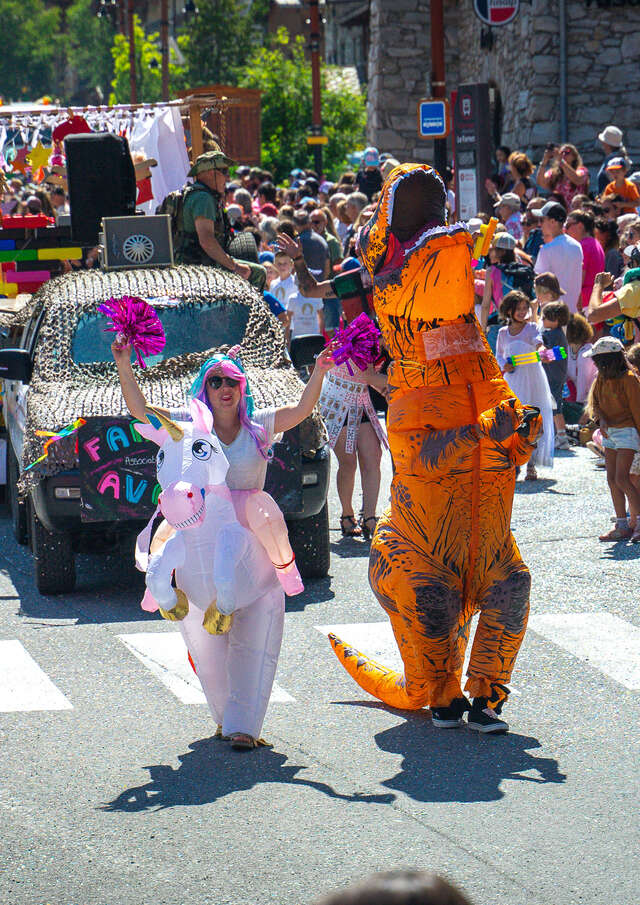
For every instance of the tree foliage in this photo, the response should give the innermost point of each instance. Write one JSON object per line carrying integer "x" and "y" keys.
{"x": 148, "y": 68}
{"x": 88, "y": 45}
{"x": 217, "y": 42}
{"x": 283, "y": 74}
{"x": 30, "y": 49}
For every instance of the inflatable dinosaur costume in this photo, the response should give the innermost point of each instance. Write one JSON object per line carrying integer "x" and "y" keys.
{"x": 443, "y": 550}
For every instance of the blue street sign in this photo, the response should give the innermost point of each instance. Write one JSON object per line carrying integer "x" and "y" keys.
{"x": 433, "y": 118}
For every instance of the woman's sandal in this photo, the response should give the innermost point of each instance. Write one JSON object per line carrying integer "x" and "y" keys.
{"x": 531, "y": 475}
{"x": 240, "y": 741}
{"x": 617, "y": 534}
{"x": 349, "y": 526}
{"x": 367, "y": 531}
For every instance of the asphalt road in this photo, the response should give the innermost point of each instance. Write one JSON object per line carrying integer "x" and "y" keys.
{"x": 122, "y": 795}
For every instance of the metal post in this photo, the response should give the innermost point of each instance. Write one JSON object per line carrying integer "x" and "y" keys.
{"x": 164, "y": 47}
{"x": 132, "y": 55}
{"x": 316, "y": 115}
{"x": 562, "y": 36}
{"x": 438, "y": 77}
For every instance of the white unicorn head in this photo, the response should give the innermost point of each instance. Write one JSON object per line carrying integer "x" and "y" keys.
{"x": 190, "y": 463}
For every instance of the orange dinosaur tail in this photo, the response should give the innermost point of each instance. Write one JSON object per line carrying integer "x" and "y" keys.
{"x": 377, "y": 680}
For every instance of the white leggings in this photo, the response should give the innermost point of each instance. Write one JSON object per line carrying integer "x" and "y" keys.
{"x": 237, "y": 670}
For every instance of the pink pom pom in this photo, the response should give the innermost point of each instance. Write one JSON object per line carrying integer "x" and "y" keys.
{"x": 135, "y": 323}
{"x": 358, "y": 342}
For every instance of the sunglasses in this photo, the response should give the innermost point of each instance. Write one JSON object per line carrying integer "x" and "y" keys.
{"x": 216, "y": 382}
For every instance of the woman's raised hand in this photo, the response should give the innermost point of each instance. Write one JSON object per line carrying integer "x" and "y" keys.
{"x": 121, "y": 351}
{"x": 324, "y": 361}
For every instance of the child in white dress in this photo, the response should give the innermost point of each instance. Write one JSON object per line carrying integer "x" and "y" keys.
{"x": 529, "y": 381}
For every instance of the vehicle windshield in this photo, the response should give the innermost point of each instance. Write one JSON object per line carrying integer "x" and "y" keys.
{"x": 190, "y": 325}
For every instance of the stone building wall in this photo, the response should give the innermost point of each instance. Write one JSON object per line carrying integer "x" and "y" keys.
{"x": 603, "y": 50}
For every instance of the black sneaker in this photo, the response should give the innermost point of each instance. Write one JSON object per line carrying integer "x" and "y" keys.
{"x": 450, "y": 717}
{"x": 483, "y": 718}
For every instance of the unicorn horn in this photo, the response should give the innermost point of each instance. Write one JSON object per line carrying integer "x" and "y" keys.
{"x": 157, "y": 415}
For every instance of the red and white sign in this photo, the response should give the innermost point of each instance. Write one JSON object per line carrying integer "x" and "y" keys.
{"x": 496, "y": 12}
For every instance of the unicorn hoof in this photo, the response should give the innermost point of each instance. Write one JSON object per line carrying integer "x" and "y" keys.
{"x": 215, "y": 622}
{"x": 179, "y": 611}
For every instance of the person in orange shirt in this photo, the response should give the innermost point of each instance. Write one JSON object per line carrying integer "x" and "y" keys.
{"x": 617, "y": 169}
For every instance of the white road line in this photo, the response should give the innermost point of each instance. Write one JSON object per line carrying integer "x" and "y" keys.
{"x": 602, "y": 640}
{"x": 165, "y": 656}
{"x": 23, "y": 685}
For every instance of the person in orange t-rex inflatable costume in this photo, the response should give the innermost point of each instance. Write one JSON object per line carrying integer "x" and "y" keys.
{"x": 443, "y": 551}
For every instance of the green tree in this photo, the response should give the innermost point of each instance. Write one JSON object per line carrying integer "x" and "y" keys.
{"x": 283, "y": 74}
{"x": 30, "y": 49}
{"x": 148, "y": 68}
{"x": 89, "y": 47}
{"x": 217, "y": 42}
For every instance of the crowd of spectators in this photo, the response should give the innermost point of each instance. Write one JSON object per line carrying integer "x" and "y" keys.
{"x": 562, "y": 240}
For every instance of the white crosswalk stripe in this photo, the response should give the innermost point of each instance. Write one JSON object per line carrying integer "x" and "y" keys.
{"x": 24, "y": 685}
{"x": 165, "y": 656}
{"x": 603, "y": 641}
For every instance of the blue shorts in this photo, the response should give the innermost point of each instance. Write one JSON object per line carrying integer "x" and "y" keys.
{"x": 332, "y": 311}
{"x": 622, "y": 438}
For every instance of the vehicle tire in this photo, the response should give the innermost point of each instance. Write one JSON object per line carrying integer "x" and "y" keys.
{"x": 309, "y": 538}
{"x": 53, "y": 558}
{"x": 18, "y": 507}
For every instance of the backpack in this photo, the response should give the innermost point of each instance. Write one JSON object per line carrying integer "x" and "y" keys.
{"x": 517, "y": 276}
{"x": 173, "y": 205}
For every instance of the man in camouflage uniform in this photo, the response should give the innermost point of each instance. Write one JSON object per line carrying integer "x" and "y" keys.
{"x": 202, "y": 229}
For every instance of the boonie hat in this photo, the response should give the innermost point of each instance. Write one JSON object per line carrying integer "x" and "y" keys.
{"x": 474, "y": 225}
{"x": 510, "y": 199}
{"x": 504, "y": 240}
{"x": 211, "y": 160}
{"x": 607, "y": 344}
{"x": 552, "y": 209}
{"x": 611, "y": 136}
{"x": 617, "y": 163}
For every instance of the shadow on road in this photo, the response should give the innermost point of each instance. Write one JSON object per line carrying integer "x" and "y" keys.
{"x": 211, "y": 769}
{"x": 461, "y": 765}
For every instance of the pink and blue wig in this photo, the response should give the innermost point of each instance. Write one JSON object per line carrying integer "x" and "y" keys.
{"x": 227, "y": 366}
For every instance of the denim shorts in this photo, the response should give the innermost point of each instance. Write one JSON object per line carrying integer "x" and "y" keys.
{"x": 622, "y": 438}
{"x": 332, "y": 310}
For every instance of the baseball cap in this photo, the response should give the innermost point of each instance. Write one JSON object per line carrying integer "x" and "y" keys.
{"x": 604, "y": 346}
{"x": 371, "y": 158}
{"x": 510, "y": 199}
{"x": 243, "y": 170}
{"x": 296, "y": 174}
{"x": 616, "y": 163}
{"x": 504, "y": 240}
{"x": 552, "y": 209}
{"x": 634, "y": 177}
{"x": 266, "y": 257}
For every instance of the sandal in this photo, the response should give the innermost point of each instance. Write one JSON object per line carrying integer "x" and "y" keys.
{"x": 218, "y": 734}
{"x": 618, "y": 534}
{"x": 349, "y": 526}
{"x": 635, "y": 537}
{"x": 240, "y": 741}
{"x": 531, "y": 475}
{"x": 367, "y": 531}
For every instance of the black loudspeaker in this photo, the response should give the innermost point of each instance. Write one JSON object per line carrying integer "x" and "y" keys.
{"x": 102, "y": 182}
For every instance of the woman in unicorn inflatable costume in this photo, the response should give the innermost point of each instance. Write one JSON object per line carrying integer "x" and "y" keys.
{"x": 246, "y": 436}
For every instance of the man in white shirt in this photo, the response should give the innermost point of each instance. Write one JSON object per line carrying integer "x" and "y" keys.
{"x": 560, "y": 255}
